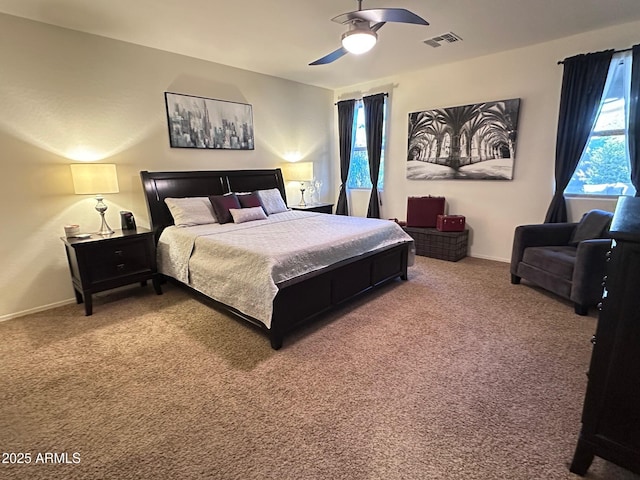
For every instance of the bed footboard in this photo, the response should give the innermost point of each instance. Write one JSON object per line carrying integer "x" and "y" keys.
{"x": 311, "y": 295}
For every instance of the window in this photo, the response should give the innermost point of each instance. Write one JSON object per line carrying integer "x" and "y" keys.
{"x": 604, "y": 168}
{"x": 359, "y": 167}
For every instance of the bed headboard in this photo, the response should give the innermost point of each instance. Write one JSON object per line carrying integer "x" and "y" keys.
{"x": 160, "y": 185}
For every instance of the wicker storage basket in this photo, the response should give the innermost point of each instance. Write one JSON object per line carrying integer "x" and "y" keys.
{"x": 451, "y": 246}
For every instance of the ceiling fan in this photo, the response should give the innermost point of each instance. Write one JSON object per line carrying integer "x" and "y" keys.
{"x": 363, "y": 25}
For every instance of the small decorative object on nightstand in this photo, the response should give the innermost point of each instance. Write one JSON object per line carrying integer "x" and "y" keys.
{"x": 101, "y": 263}
{"x": 317, "y": 207}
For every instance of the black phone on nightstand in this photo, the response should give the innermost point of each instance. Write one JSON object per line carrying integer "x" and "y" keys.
{"x": 127, "y": 221}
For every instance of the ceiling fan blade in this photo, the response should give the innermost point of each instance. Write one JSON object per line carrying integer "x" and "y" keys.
{"x": 377, "y": 26}
{"x": 332, "y": 57}
{"x": 399, "y": 15}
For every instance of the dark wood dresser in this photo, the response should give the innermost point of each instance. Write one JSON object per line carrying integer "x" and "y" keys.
{"x": 611, "y": 412}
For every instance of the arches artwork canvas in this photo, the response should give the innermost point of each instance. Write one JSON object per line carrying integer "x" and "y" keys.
{"x": 468, "y": 142}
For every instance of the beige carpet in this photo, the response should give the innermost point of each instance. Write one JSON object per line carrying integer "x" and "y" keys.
{"x": 455, "y": 374}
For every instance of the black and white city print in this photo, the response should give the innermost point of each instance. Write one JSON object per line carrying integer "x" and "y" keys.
{"x": 197, "y": 122}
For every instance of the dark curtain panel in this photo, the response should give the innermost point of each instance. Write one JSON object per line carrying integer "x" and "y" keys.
{"x": 345, "y": 132}
{"x": 582, "y": 86}
{"x": 634, "y": 120}
{"x": 373, "y": 122}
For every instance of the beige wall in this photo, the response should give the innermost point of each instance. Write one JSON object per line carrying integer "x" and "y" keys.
{"x": 65, "y": 95}
{"x": 492, "y": 208}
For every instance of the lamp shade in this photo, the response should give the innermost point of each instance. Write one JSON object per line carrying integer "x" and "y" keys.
{"x": 94, "y": 178}
{"x": 359, "y": 41}
{"x": 298, "y": 171}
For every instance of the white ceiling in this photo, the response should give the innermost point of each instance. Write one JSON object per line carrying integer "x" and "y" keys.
{"x": 281, "y": 37}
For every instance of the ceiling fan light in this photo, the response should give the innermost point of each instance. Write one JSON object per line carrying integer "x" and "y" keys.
{"x": 359, "y": 41}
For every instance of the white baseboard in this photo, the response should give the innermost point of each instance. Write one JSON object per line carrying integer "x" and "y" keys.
{"x": 42, "y": 308}
{"x": 487, "y": 257}
{"x": 69, "y": 301}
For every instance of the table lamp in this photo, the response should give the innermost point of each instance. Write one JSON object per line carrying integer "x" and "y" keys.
{"x": 96, "y": 179}
{"x": 298, "y": 172}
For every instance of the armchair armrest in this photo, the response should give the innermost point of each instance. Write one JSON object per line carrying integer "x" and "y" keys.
{"x": 539, "y": 235}
{"x": 589, "y": 270}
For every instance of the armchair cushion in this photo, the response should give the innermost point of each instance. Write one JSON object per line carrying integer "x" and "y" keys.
{"x": 556, "y": 260}
{"x": 594, "y": 224}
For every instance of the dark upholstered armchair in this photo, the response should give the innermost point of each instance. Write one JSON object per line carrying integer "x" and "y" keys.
{"x": 567, "y": 259}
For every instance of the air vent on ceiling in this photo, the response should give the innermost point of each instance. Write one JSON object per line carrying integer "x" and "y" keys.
{"x": 448, "y": 37}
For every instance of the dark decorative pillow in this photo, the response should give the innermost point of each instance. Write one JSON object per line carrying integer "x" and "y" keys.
{"x": 221, "y": 205}
{"x": 249, "y": 200}
{"x": 594, "y": 224}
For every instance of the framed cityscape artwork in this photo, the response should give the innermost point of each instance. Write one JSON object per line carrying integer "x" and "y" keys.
{"x": 476, "y": 142}
{"x": 197, "y": 122}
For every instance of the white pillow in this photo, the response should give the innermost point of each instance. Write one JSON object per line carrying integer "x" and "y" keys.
{"x": 272, "y": 201}
{"x": 241, "y": 215}
{"x": 190, "y": 211}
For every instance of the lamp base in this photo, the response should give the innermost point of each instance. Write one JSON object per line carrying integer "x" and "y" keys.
{"x": 101, "y": 207}
{"x": 105, "y": 229}
{"x": 302, "y": 202}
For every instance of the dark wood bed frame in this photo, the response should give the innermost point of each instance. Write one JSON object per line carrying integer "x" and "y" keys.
{"x": 299, "y": 299}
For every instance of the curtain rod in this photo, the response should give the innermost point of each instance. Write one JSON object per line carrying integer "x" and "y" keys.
{"x": 561, "y": 62}
{"x": 385, "y": 94}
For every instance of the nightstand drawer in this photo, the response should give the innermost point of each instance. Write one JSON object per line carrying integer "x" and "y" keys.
{"x": 116, "y": 261}
{"x": 118, "y": 270}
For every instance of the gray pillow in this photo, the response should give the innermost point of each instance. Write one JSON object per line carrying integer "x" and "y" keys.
{"x": 190, "y": 211}
{"x": 272, "y": 201}
{"x": 594, "y": 224}
{"x": 241, "y": 215}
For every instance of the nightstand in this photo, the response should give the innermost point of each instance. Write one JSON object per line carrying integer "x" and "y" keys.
{"x": 101, "y": 263}
{"x": 316, "y": 207}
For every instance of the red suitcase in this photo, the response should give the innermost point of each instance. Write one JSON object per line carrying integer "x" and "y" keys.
{"x": 424, "y": 211}
{"x": 450, "y": 223}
